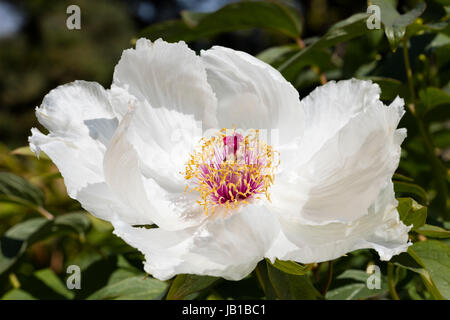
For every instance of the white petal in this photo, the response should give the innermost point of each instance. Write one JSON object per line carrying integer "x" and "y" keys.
{"x": 252, "y": 94}
{"x": 329, "y": 108}
{"x": 380, "y": 229}
{"x": 168, "y": 75}
{"x": 341, "y": 179}
{"x": 121, "y": 101}
{"x": 81, "y": 121}
{"x": 99, "y": 200}
{"x": 144, "y": 173}
{"x": 228, "y": 247}
{"x": 163, "y": 140}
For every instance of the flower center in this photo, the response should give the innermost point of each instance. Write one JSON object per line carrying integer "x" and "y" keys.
{"x": 230, "y": 169}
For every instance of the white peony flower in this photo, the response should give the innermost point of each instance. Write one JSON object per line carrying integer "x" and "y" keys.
{"x": 313, "y": 184}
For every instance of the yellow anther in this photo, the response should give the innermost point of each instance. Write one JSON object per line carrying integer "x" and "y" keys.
{"x": 220, "y": 175}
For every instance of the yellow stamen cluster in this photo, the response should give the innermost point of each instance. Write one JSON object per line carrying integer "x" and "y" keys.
{"x": 228, "y": 174}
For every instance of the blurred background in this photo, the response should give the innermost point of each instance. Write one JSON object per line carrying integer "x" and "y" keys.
{"x": 38, "y": 52}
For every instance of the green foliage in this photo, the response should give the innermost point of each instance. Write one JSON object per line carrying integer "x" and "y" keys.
{"x": 17, "y": 294}
{"x": 45, "y": 53}
{"x": 390, "y": 88}
{"x": 358, "y": 289}
{"x": 78, "y": 222}
{"x": 18, "y": 190}
{"x": 288, "y": 286}
{"x": 17, "y": 239}
{"x": 402, "y": 187}
{"x": 43, "y": 231}
{"x": 434, "y": 97}
{"x": 433, "y": 231}
{"x": 430, "y": 259}
{"x": 51, "y": 280}
{"x": 350, "y": 28}
{"x": 394, "y": 23}
{"x": 133, "y": 288}
{"x": 235, "y": 16}
{"x": 434, "y": 256}
{"x": 411, "y": 213}
{"x": 290, "y": 267}
{"x": 185, "y": 285}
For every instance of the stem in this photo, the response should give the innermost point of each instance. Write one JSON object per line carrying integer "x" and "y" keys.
{"x": 431, "y": 287}
{"x": 45, "y": 213}
{"x": 164, "y": 297}
{"x": 428, "y": 282}
{"x": 300, "y": 43}
{"x": 329, "y": 278}
{"x": 391, "y": 282}
{"x": 439, "y": 171}
{"x": 322, "y": 77}
{"x": 408, "y": 70}
{"x": 315, "y": 270}
{"x": 14, "y": 281}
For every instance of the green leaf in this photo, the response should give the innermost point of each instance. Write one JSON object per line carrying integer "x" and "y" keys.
{"x": 441, "y": 40}
{"x": 433, "y": 231}
{"x": 51, "y": 280}
{"x": 412, "y": 261}
{"x": 405, "y": 260}
{"x": 357, "y": 275}
{"x": 439, "y": 114}
{"x": 17, "y": 190}
{"x": 395, "y": 23}
{"x": 271, "y": 15}
{"x": 290, "y": 267}
{"x": 356, "y": 291}
{"x": 401, "y": 177}
{"x": 411, "y": 213}
{"x": 17, "y": 294}
{"x": 16, "y": 240}
{"x": 418, "y": 28}
{"x": 390, "y": 88}
{"x": 433, "y": 97}
{"x": 352, "y": 27}
{"x": 317, "y": 57}
{"x": 434, "y": 256}
{"x": 407, "y": 188}
{"x": 348, "y": 292}
{"x": 123, "y": 263}
{"x": 125, "y": 270}
{"x": 262, "y": 275}
{"x": 186, "y": 284}
{"x": 291, "y": 287}
{"x": 123, "y": 274}
{"x": 135, "y": 288}
{"x": 441, "y": 138}
{"x": 347, "y": 29}
{"x": 172, "y": 31}
{"x": 26, "y": 152}
{"x": 275, "y": 56}
{"x": 77, "y": 221}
